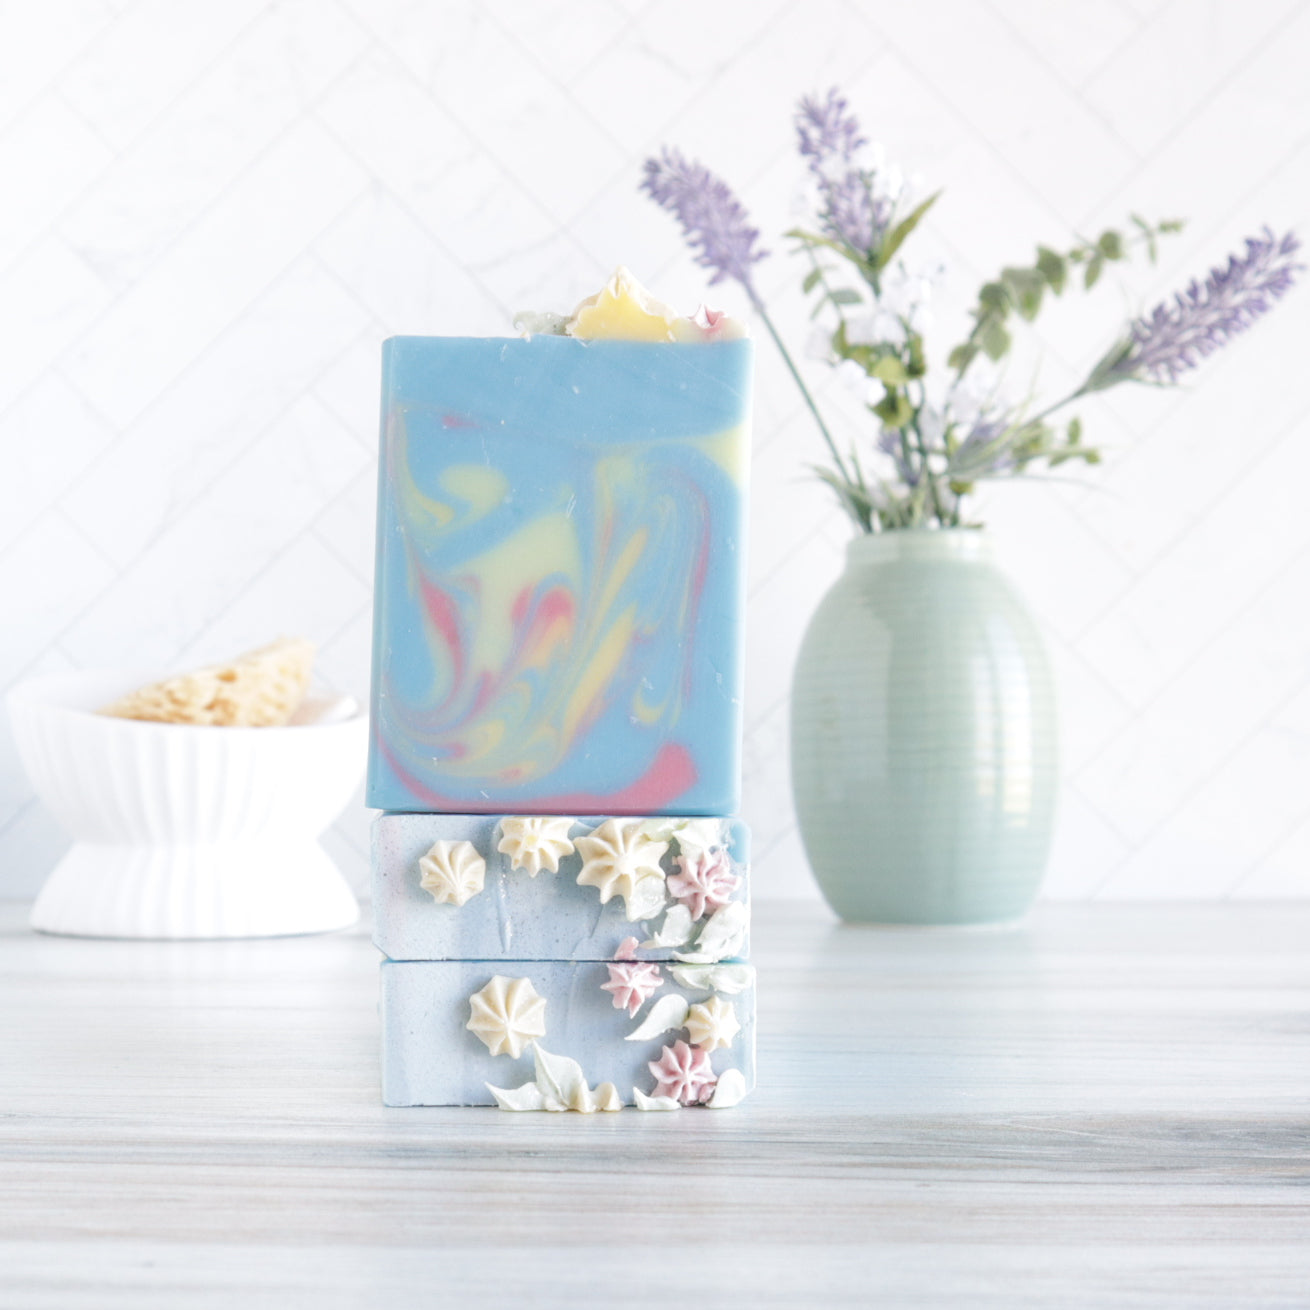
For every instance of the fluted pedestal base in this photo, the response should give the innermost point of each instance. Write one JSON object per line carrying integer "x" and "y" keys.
{"x": 226, "y": 889}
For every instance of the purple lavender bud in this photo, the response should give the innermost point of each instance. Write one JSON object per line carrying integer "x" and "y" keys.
{"x": 830, "y": 140}
{"x": 890, "y": 442}
{"x": 826, "y": 129}
{"x": 1176, "y": 336}
{"x": 980, "y": 451}
{"x": 712, "y": 218}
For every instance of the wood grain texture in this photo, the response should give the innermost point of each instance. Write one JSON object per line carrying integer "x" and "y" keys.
{"x": 1109, "y": 1106}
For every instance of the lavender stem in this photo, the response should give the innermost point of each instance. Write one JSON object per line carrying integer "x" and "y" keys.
{"x": 800, "y": 382}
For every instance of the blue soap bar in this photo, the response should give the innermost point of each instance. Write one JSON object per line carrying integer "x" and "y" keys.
{"x": 482, "y": 887}
{"x": 558, "y": 612}
{"x": 535, "y": 1024}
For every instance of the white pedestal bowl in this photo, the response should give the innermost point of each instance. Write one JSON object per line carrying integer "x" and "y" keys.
{"x": 187, "y": 832}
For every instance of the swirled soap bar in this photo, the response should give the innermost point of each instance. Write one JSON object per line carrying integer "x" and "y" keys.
{"x": 558, "y": 614}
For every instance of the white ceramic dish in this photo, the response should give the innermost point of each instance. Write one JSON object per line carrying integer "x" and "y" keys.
{"x": 186, "y": 831}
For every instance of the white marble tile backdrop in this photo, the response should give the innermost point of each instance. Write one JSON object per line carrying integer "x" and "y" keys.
{"x": 215, "y": 210}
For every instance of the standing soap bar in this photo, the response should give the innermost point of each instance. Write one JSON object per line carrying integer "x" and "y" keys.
{"x": 559, "y": 603}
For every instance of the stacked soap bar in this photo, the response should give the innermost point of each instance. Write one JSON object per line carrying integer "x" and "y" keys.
{"x": 557, "y": 634}
{"x": 512, "y": 937}
{"x": 531, "y": 887}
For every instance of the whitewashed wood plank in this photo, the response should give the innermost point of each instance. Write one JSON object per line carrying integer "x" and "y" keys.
{"x": 1105, "y": 1107}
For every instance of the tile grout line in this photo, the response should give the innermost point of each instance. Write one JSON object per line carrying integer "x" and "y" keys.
{"x": 305, "y": 114}
{"x": 1212, "y": 93}
{"x": 1292, "y": 566}
{"x": 1143, "y": 22}
{"x": 1286, "y": 433}
{"x": 120, "y": 429}
{"x": 118, "y": 151}
{"x": 1018, "y": 35}
{"x": 50, "y": 86}
{"x": 171, "y": 523}
{"x": 415, "y": 217}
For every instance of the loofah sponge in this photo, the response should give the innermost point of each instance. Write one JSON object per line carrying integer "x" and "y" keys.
{"x": 261, "y": 689}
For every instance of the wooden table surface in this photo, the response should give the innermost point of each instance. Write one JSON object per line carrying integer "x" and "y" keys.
{"x": 1109, "y": 1106}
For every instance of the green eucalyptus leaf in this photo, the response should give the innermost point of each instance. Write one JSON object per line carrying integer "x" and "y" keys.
{"x": 1110, "y": 244}
{"x": 896, "y": 237}
{"x": 962, "y": 356}
{"x": 1093, "y": 271}
{"x": 894, "y": 409}
{"x": 1075, "y": 431}
{"x": 995, "y": 339}
{"x": 1025, "y": 286}
{"x": 811, "y": 280}
{"x": 1148, "y": 235}
{"x": 890, "y": 370}
{"x": 844, "y": 296}
{"x": 995, "y": 297}
{"x": 1052, "y": 267}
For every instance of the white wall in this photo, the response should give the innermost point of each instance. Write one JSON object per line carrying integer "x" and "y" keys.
{"x": 215, "y": 210}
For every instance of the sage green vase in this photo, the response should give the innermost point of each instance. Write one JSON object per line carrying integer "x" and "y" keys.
{"x": 924, "y": 735}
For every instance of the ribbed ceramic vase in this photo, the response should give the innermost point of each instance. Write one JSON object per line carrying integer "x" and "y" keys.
{"x": 924, "y": 736}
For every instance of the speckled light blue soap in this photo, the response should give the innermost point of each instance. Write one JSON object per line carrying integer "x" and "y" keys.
{"x": 560, "y": 567}
{"x": 429, "y": 1057}
{"x": 514, "y": 917}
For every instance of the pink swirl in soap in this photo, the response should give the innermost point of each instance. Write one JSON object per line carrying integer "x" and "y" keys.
{"x": 672, "y": 773}
{"x": 548, "y": 631}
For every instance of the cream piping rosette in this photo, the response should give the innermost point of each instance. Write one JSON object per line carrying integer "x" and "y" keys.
{"x": 535, "y": 841}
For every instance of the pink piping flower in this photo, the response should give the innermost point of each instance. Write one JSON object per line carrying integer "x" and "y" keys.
{"x": 684, "y": 1073}
{"x": 706, "y": 882}
{"x": 633, "y": 984}
{"x": 710, "y": 321}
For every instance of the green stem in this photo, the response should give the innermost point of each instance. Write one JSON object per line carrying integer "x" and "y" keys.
{"x": 823, "y": 282}
{"x": 905, "y": 452}
{"x": 1059, "y": 404}
{"x": 865, "y": 517}
{"x": 800, "y": 382}
{"x": 872, "y": 279}
{"x": 925, "y": 472}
